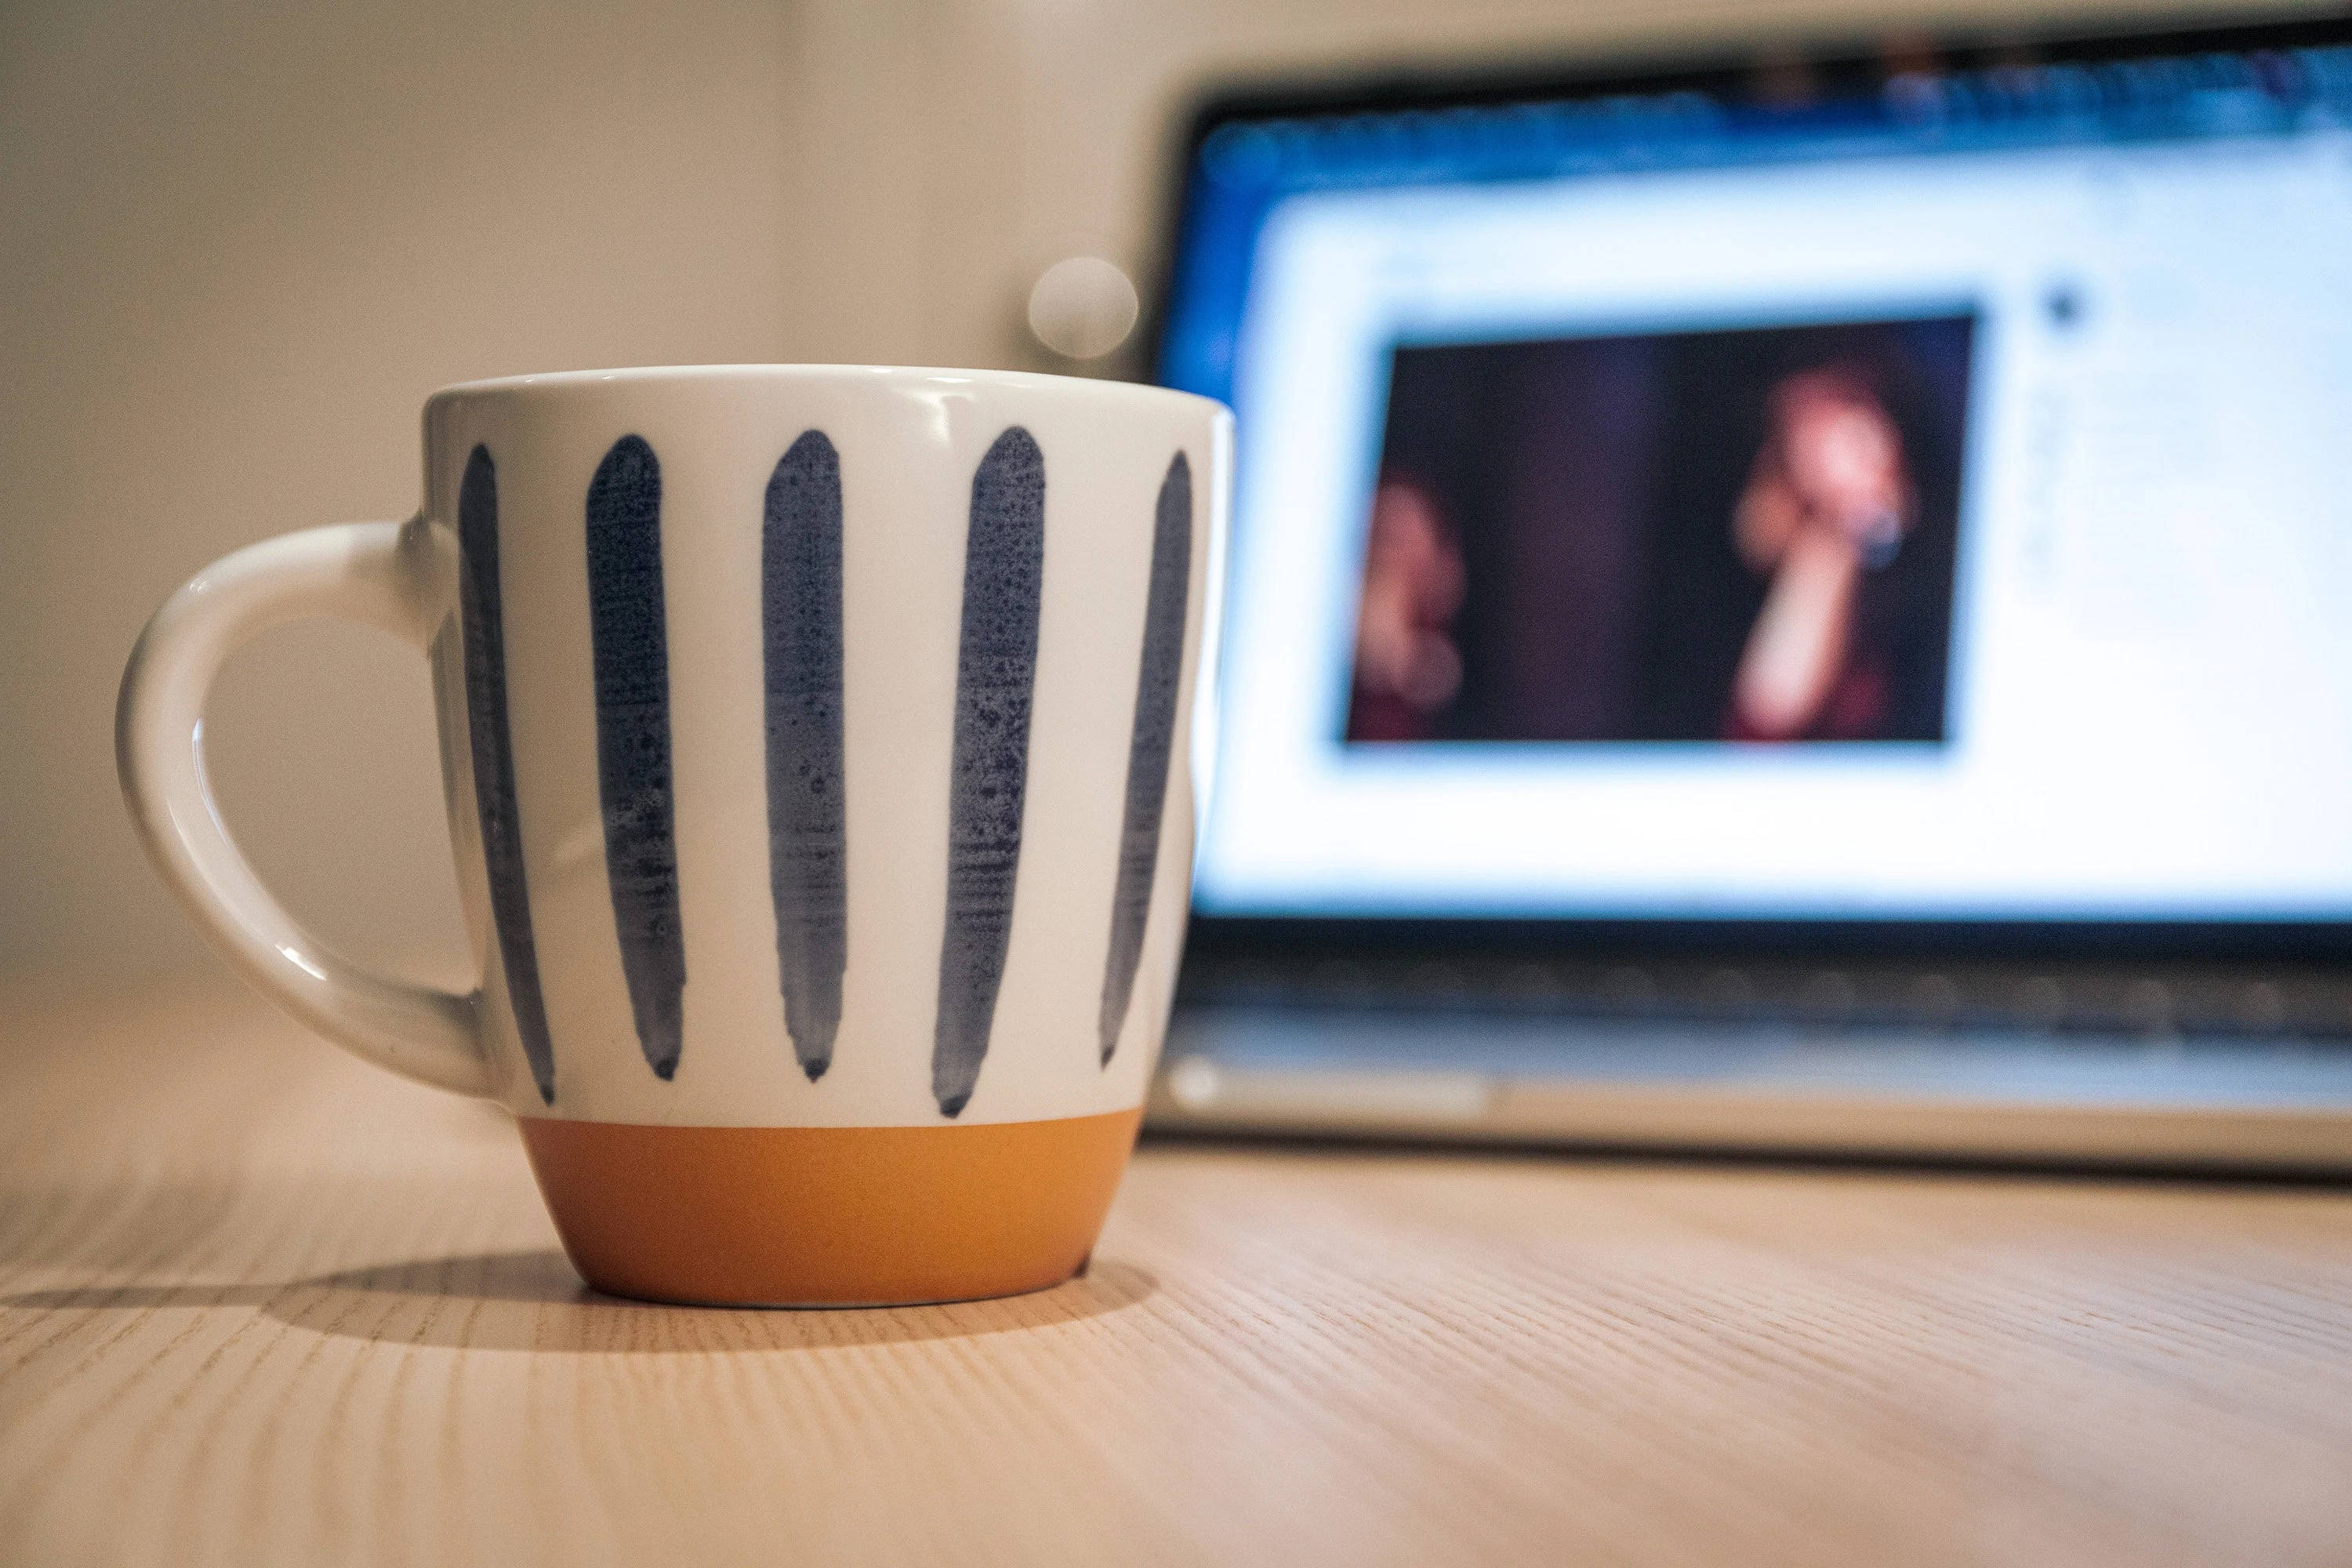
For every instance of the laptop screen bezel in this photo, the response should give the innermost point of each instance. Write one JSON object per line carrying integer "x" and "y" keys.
{"x": 1755, "y": 71}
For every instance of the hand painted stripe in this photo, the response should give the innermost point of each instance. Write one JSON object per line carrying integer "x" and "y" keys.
{"x": 800, "y": 616}
{"x": 482, "y": 616}
{"x": 996, "y": 669}
{"x": 1149, "y": 748}
{"x": 630, "y": 633}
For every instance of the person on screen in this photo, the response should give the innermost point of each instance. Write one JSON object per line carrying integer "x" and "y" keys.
{"x": 1407, "y": 666}
{"x": 1827, "y": 502}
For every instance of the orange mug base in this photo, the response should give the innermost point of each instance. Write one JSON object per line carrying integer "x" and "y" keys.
{"x": 828, "y": 1217}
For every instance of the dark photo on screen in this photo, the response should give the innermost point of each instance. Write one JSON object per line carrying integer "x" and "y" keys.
{"x": 1732, "y": 536}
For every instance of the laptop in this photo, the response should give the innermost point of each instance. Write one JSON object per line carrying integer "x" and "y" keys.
{"x": 1791, "y": 607}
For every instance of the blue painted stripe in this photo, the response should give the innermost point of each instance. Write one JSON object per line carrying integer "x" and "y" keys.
{"x": 996, "y": 669}
{"x": 799, "y": 619}
{"x": 630, "y": 633}
{"x": 1151, "y": 743}
{"x": 482, "y": 617}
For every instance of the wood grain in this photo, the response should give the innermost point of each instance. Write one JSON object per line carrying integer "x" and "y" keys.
{"x": 260, "y": 1305}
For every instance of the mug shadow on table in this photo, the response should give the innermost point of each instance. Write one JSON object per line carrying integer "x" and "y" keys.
{"x": 531, "y": 1301}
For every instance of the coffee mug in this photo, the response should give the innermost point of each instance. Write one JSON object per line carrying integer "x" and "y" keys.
{"x": 815, "y": 750}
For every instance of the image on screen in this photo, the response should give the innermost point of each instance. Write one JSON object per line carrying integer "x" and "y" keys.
{"x": 1744, "y": 535}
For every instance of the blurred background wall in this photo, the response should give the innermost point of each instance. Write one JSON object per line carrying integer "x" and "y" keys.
{"x": 240, "y": 241}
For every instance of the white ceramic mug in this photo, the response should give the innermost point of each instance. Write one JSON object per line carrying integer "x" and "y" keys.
{"x": 815, "y": 752}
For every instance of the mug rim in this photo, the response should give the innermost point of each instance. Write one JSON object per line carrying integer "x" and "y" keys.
{"x": 943, "y": 377}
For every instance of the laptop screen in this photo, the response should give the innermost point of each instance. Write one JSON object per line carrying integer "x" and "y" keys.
{"x": 1928, "y": 501}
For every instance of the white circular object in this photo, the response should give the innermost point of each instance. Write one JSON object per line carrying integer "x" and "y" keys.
{"x": 1194, "y": 1083}
{"x": 1082, "y": 307}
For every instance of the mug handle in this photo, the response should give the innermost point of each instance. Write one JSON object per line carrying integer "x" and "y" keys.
{"x": 386, "y": 575}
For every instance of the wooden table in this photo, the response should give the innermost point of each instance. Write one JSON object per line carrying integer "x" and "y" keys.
{"x": 260, "y": 1305}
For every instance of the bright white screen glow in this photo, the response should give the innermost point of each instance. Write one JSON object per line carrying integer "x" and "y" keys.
{"x": 2150, "y": 701}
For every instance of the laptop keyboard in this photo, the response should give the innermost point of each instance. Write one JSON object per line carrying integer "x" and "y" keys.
{"x": 2144, "y": 1001}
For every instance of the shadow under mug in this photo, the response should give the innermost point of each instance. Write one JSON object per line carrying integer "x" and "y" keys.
{"x": 815, "y": 748}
